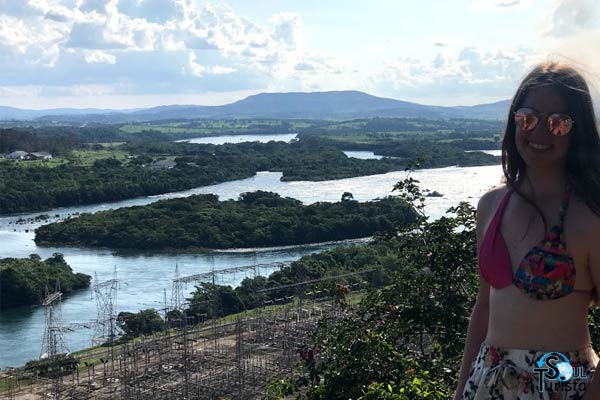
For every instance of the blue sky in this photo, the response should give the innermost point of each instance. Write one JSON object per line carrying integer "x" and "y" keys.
{"x": 138, "y": 53}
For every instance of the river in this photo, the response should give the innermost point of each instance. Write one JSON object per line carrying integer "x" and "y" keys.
{"x": 146, "y": 277}
{"x": 278, "y": 137}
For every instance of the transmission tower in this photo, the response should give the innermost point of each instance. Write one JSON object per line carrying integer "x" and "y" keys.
{"x": 177, "y": 292}
{"x": 106, "y": 302}
{"x": 54, "y": 343}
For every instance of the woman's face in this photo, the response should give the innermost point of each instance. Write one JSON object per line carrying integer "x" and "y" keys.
{"x": 538, "y": 147}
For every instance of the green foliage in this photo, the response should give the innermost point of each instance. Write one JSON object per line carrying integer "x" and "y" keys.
{"x": 405, "y": 340}
{"x": 25, "y": 140}
{"x": 419, "y": 384}
{"x": 23, "y": 281}
{"x": 440, "y": 143}
{"x": 594, "y": 325}
{"x": 202, "y": 127}
{"x": 92, "y": 175}
{"x": 248, "y": 292}
{"x": 376, "y": 260}
{"x": 60, "y": 365}
{"x": 214, "y": 301}
{"x": 144, "y": 322}
{"x": 201, "y": 221}
{"x": 279, "y": 388}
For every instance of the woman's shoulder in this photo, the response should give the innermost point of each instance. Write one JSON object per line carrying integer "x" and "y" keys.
{"x": 583, "y": 227}
{"x": 587, "y": 221}
{"x": 492, "y": 198}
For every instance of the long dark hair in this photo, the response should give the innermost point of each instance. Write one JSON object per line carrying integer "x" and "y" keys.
{"x": 582, "y": 165}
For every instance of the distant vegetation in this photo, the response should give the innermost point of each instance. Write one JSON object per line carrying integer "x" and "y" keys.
{"x": 126, "y": 171}
{"x": 23, "y": 281}
{"x": 407, "y": 137}
{"x": 200, "y": 128}
{"x": 202, "y": 221}
{"x": 119, "y": 166}
{"x": 143, "y": 132}
{"x": 30, "y": 141}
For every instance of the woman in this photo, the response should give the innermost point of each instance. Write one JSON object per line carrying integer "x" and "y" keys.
{"x": 538, "y": 240}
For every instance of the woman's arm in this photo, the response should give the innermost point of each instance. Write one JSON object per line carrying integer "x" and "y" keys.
{"x": 478, "y": 322}
{"x": 593, "y": 389}
{"x": 476, "y": 333}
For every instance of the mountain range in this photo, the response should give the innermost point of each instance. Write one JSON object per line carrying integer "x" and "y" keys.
{"x": 340, "y": 105}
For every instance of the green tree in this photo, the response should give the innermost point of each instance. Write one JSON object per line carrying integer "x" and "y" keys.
{"x": 346, "y": 196}
{"x": 405, "y": 340}
{"x": 144, "y": 322}
{"x": 214, "y": 301}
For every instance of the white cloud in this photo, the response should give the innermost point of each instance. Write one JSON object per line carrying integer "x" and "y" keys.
{"x": 499, "y": 5}
{"x": 28, "y": 91}
{"x": 507, "y": 3}
{"x": 571, "y": 33}
{"x": 491, "y": 74}
{"x": 572, "y": 16}
{"x": 59, "y": 33}
{"x": 19, "y": 91}
{"x": 219, "y": 70}
{"x": 288, "y": 29}
{"x": 98, "y": 56}
{"x": 304, "y": 66}
{"x": 76, "y": 90}
{"x": 29, "y": 42}
{"x": 201, "y": 70}
{"x": 162, "y": 47}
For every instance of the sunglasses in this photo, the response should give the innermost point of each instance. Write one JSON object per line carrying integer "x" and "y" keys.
{"x": 556, "y": 123}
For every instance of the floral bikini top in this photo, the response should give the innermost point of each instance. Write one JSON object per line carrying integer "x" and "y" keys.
{"x": 546, "y": 272}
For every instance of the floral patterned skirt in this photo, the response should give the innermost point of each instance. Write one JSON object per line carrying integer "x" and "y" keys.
{"x": 508, "y": 374}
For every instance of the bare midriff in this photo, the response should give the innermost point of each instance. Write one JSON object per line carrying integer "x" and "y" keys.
{"x": 517, "y": 321}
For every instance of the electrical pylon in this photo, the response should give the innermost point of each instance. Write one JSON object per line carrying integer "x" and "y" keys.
{"x": 54, "y": 343}
{"x": 106, "y": 302}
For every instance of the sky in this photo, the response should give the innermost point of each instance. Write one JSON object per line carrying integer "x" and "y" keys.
{"x": 123, "y": 54}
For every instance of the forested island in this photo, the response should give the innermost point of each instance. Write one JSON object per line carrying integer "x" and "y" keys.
{"x": 256, "y": 219}
{"x": 23, "y": 281}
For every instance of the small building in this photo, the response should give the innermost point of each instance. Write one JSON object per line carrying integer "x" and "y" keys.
{"x": 40, "y": 155}
{"x": 18, "y": 155}
{"x": 164, "y": 164}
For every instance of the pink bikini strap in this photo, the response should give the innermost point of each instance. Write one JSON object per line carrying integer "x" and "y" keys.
{"x": 499, "y": 212}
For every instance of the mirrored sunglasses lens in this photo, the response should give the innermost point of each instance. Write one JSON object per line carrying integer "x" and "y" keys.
{"x": 559, "y": 124}
{"x": 526, "y": 119}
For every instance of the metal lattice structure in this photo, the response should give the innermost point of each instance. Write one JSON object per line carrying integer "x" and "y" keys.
{"x": 106, "y": 302}
{"x": 54, "y": 343}
{"x": 214, "y": 359}
{"x": 177, "y": 297}
{"x": 177, "y": 292}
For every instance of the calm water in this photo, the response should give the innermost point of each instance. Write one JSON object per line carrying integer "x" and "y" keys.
{"x": 492, "y": 152}
{"x": 363, "y": 155}
{"x": 146, "y": 276}
{"x": 282, "y": 137}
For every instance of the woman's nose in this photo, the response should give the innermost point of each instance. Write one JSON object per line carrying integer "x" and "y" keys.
{"x": 541, "y": 129}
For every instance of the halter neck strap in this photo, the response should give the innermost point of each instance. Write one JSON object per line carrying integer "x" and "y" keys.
{"x": 564, "y": 205}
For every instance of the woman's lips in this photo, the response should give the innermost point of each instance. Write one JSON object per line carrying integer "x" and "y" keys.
{"x": 538, "y": 146}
